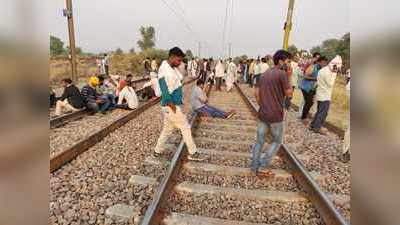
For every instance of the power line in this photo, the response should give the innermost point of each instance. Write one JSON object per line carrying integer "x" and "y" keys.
{"x": 224, "y": 29}
{"x": 183, "y": 20}
{"x": 230, "y": 29}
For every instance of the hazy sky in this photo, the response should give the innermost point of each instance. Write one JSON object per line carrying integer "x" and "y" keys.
{"x": 256, "y": 29}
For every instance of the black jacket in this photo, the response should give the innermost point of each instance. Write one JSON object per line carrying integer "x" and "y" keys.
{"x": 74, "y": 97}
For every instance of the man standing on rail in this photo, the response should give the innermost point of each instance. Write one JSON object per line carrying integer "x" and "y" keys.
{"x": 171, "y": 102}
{"x": 325, "y": 81}
{"x": 308, "y": 87}
{"x": 270, "y": 92}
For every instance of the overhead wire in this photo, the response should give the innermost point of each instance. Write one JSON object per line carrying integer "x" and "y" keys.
{"x": 224, "y": 27}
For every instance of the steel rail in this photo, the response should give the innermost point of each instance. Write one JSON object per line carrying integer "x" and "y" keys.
{"x": 71, "y": 153}
{"x": 154, "y": 212}
{"x": 329, "y": 214}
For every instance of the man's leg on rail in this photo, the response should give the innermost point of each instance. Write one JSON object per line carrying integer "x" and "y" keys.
{"x": 276, "y": 141}
{"x": 256, "y": 151}
{"x": 168, "y": 127}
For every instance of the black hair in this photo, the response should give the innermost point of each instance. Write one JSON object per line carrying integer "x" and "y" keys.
{"x": 322, "y": 58}
{"x": 67, "y": 80}
{"x": 281, "y": 55}
{"x": 101, "y": 78}
{"x": 264, "y": 60}
{"x": 129, "y": 75}
{"x": 199, "y": 82}
{"x": 316, "y": 54}
{"x": 175, "y": 51}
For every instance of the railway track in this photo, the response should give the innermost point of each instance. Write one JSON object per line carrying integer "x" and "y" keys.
{"x": 60, "y": 121}
{"x": 222, "y": 189}
{"x": 64, "y": 156}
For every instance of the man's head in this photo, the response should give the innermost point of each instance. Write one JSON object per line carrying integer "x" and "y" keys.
{"x": 322, "y": 61}
{"x": 93, "y": 81}
{"x": 101, "y": 79}
{"x": 264, "y": 60}
{"x": 175, "y": 57}
{"x": 200, "y": 83}
{"x": 128, "y": 77}
{"x": 335, "y": 64}
{"x": 316, "y": 56}
{"x": 282, "y": 58}
{"x": 65, "y": 82}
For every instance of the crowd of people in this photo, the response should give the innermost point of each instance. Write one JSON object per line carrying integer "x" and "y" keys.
{"x": 273, "y": 78}
{"x": 100, "y": 94}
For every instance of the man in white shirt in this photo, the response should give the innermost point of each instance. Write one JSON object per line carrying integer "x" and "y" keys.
{"x": 230, "y": 76}
{"x": 325, "y": 81}
{"x": 128, "y": 94}
{"x": 264, "y": 65}
{"x": 219, "y": 74}
{"x": 257, "y": 71}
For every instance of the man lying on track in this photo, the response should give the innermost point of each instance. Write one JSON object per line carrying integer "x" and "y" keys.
{"x": 270, "y": 92}
{"x": 198, "y": 99}
{"x": 169, "y": 79}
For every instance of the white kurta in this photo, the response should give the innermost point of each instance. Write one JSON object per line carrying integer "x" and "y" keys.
{"x": 230, "y": 78}
{"x": 129, "y": 95}
{"x": 219, "y": 70}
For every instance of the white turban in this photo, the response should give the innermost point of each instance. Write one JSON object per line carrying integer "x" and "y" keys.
{"x": 336, "y": 61}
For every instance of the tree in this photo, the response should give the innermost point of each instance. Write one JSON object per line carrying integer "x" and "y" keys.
{"x": 148, "y": 38}
{"x": 332, "y": 47}
{"x": 189, "y": 54}
{"x": 293, "y": 49}
{"x": 119, "y": 51}
{"x": 132, "y": 50}
{"x": 56, "y": 46}
{"x": 78, "y": 51}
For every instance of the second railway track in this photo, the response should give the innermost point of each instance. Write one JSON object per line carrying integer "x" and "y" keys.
{"x": 64, "y": 148}
{"x": 222, "y": 189}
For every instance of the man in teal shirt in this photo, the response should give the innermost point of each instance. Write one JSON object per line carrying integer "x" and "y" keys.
{"x": 308, "y": 86}
{"x": 169, "y": 79}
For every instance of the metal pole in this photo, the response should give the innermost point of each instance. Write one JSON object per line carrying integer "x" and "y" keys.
{"x": 288, "y": 24}
{"x": 230, "y": 50}
{"x": 199, "y": 49}
{"x": 71, "y": 33}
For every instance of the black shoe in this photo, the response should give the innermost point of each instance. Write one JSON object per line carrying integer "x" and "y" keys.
{"x": 196, "y": 157}
{"x": 156, "y": 155}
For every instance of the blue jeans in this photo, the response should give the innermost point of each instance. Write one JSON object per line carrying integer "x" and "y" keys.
{"x": 276, "y": 130}
{"x": 320, "y": 116}
{"x": 212, "y": 111}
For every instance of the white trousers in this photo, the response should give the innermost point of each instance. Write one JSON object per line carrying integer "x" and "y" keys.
{"x": 179, "y": 121}
{"x": 62, "y": 106}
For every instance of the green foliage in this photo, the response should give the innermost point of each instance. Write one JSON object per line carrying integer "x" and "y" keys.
{"x": 132, "y": 50}
{"x": 78, "y": 50}
{"x": 332, "y": 47}
{"x": 148, "y": 38}
{"x": 56, "y": 46}
{"x": 119, "y": 51}
{"x": 293, "y": 49}
{"x": 240, "y": 58}
{"x": 189, "y": 54}
{"x": 132, "y": 63}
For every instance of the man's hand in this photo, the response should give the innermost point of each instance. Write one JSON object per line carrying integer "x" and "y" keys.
{"x": 172, "y": 106}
